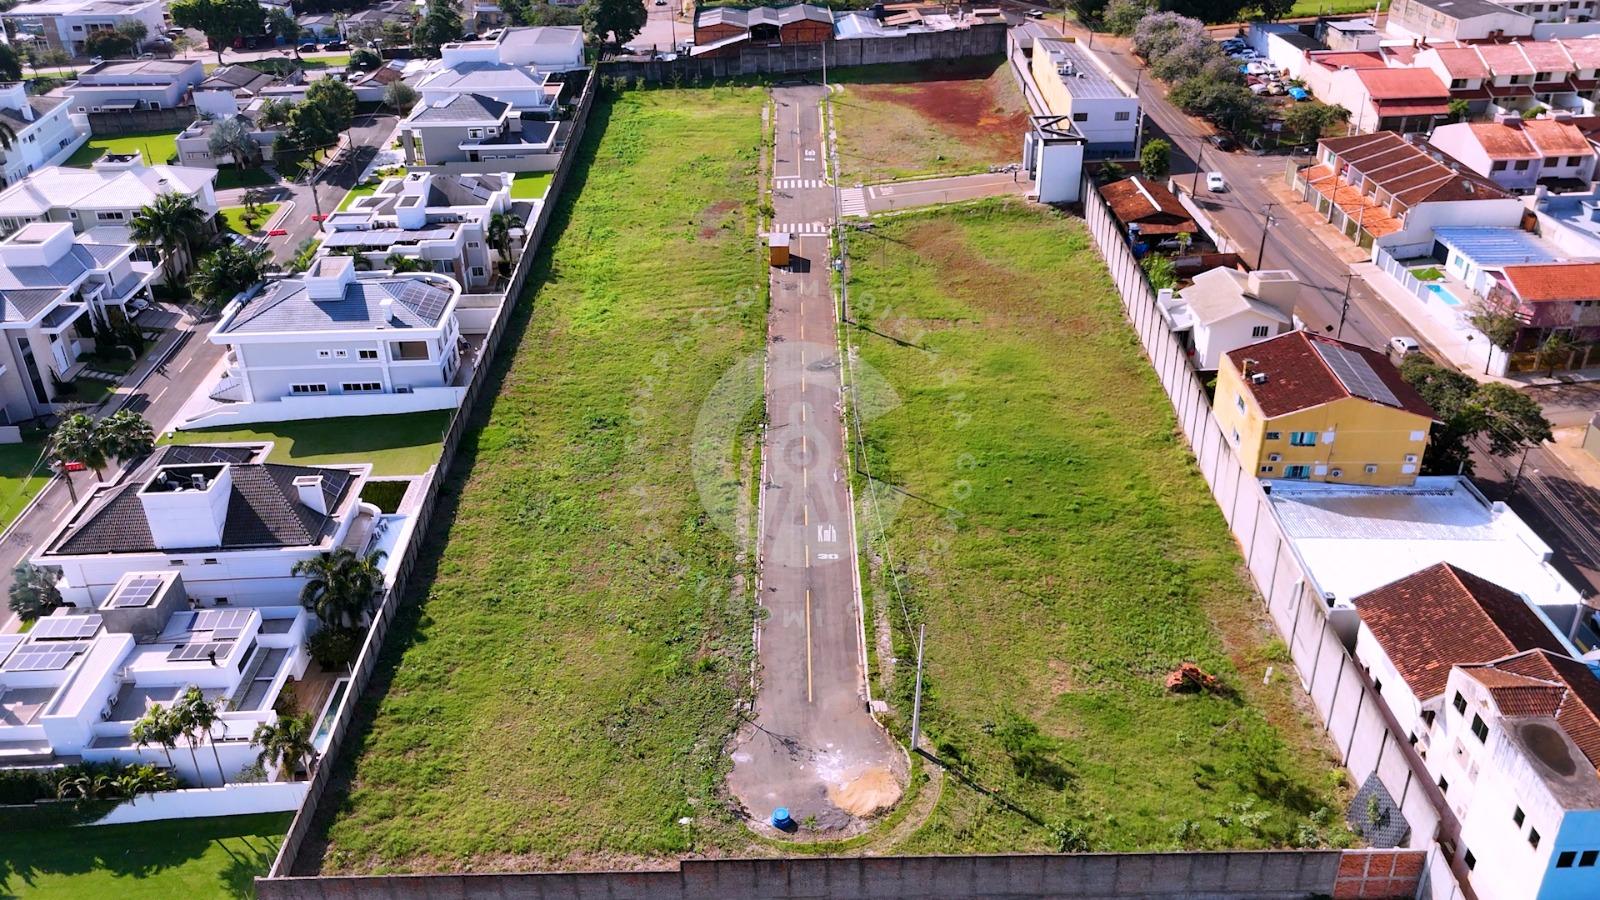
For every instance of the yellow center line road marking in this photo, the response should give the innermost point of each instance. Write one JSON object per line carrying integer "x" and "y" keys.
{"x": 805, "y": 515}
{"x": 808, "y": 646}
{"x": 808, "y": 556}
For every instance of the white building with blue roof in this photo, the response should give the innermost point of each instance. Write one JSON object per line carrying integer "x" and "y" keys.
{"x": 336, "y": 342}
{"x": 1470, "y": 254}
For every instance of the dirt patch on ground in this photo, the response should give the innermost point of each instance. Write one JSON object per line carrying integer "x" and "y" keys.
{"x": 874, "y": 789}
{"x": 908, "y": 121}
{"x": 968, "y": 108}
{"x": 711, "y": 217}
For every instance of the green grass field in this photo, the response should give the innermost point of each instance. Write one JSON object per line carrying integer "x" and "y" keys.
{"x": 561, "y": 690}
{"x": 1333, "y": 7}
{"x": 395, "y": 445}
{"x": 156, "y": 860}
{"x": 530, "y": 185}
{"x": 1049, "y": 527}
{"x": 158, "y": 147}
{"x": 234, "y": 218}
{"x": 907, "y": 120}
{"x": 22, "y": 474}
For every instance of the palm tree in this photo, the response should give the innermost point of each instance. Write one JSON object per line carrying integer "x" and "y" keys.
{"x": 231, "y": 137}
{"x": 33, "y": 590}
{"x": 228, "y": 271}
{"x": 285, "y": 743}
{"x": 399, "y": 264}
{"x": 203, "y": 714}
{"x": 173, "y": 223}
{"x": 125, "y": 435}
{"x": 498, "y": 234}
{"x": 156, "y": 726}
{"x": 340, "y": 586}
{"x": 76, "y": 440}
{"x": 183, "y": 722}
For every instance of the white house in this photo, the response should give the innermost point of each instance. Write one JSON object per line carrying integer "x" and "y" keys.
{"x": 107, "y": 194}
{"x": 335, "y": 342}
{"x": 230, "y": 89}
{"x": 123, "y": 84}
{"x": 473, "y": 127}
{"x": 440, "y": 220}
{"x": 234, "y": 525}
{"x": 67, "y": 24}
{"x": 1285, "y": 45}
{"x": 44, "y": 132}
{"x": 74, "y": 686}
{"x": 1456, "y": 20}
{"x": 554, "y": 48}
{"x": 54, "y": 288}
{"x": 1072, "y": 83}
{"x": 1517, "y": 154}
{"x": 1515, "y": 751}
{"x": 1225, "y": 309}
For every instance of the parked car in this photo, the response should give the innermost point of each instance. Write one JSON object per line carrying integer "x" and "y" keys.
{"x": 1299, "y": 94}
{"x": 1215, "y": 183}
{"x": 1401, "y": 346}
{"x": 336, "y": 45}
{"x": 1035, "y": 14}
{"x": 1222, "y": 142}
{"x": 1258, "y": 89}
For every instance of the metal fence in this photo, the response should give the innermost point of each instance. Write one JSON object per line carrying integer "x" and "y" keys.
{"x": 1357, "y": 722}
{"x": 367, "y": 662}
{"x": 1386, "y": 261}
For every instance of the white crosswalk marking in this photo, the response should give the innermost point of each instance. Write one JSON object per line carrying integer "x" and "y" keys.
{"x": 853, "y": 202}
{"x": 801, "y": 228}
{"x": 789, "y": 184}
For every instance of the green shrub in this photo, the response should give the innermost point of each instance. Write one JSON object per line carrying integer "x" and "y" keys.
{"x": 385, "y": 495}
{"x": 334, "y": 648}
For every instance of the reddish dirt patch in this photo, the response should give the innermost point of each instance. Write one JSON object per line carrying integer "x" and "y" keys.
{"x": 711, "y": 217}
{"x": 969, "y": 109}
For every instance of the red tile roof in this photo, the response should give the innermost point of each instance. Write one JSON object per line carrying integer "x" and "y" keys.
{"x": 1403, "y": 84}
{"x": 1540, "y": 683}
{"x": 1585, "y": 52}
{"x": 1408, "y": 173}
{"x": 1149, "y": 203}
{"x": 1547, "y": 56}
{"x": 1391, "y": 108}
{"x": 1500, "y": 141}
{"x": 1505, "y": 59}
{"x": 1297, "y": 378}
{"x": 1348, "y": 59}
{"x": 1554, "y": 282}
{"x": 1557, "y": 138}
{"x": 1462, "y": 62}
{"x": 1373, "y": 218}
{"x": 1441, "y": 617}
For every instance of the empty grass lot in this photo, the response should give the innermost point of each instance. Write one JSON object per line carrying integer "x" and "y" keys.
{"x": 158, "y": 147}
{"x": 949, "y": 118}
{"x": 156, "y": 860}
{"x": 559, "y": 688}
{"x": 234, "y": 219}
{"x": 395, "y": 445}
{"x": 1065, "y": 555}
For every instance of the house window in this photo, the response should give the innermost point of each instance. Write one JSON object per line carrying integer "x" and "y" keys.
{"x": 341, "y": 354}
{"x": 1297, "y": 471}
{"x": 472, "y": 245}
{"x": 1239, "y": 402}
{"x": 1302, "y": 438}
{"x": 209, "y": 561}
{"x": 1587, "y": 859}
{"x": 110, "y": 216}
{"x": 1518, "y": 817}
{"x": 1565, "y": 858}
{"x": 1274, "y": 435}
{"x": 324, "y": 354}
{"x": 1122, "y": 117}
{"x": 1427, "y": 717}
{"x": 1460, "y": 703}
{"x": 308, "y": 389}
{"x": 477, "y": 271}
{"x": 1499, "y": 166}
{"x": 408, "y": 350}
{"x": 1080, "y": 117}
{"x": 1470, "y": 860}
{"x": 1267, "y": 470}
{"x": 1457, "y": 84}
{"x": 1480, "y": 730}
{"x": 361, "y": 387}
{"x": 1574, "y": 160}
{"x": 1533, "y": 838}
{"x": 176, "y": 562}
{"x": 1522, "y": 165}
{"x": 1260, "y": 331}
{"x": 366, "y": 354}
{"x": 1444, "y": 786}
{"x": 475, "y": 133}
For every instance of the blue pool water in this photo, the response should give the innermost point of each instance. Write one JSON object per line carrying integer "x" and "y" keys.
{"x": 319, "y": 738}
{"x": 1443, "y": 295}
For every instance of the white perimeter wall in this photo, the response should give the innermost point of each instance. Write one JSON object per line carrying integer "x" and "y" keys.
{"x": 296, "y": 408}
{"x": 233, "y": 800}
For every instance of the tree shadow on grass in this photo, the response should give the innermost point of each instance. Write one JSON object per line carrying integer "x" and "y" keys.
{"x": 411, "y": 618}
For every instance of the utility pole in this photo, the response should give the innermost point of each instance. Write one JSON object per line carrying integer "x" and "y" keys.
{"x": 1261, "y": 253}
{"x": 916, "y": 700}
{"x": 1199, "y": 163}
{"x": 1345, "y": 308}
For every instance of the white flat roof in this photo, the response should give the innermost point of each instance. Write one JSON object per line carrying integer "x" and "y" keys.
{"x": 1355, "y": 539}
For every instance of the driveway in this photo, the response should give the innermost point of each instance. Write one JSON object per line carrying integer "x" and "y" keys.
{"x": 812, "y": 747}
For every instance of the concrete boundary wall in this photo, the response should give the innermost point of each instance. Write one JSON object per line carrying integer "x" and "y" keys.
{"x": 367, "y": 660}
{"x": 1357, "y": 723}
{"x": 987, "y": 39}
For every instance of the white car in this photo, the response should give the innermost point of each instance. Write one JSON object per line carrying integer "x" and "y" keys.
{"x": 1401, "y": 347}
{"x": 1215, "y": 184}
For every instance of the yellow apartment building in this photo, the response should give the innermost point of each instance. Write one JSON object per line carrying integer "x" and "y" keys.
{"x": 1308, "y": 407}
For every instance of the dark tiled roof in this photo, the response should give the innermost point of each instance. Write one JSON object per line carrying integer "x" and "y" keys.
{"x": 1441, "y": 617}
{"x": 41, "y": 108}
{"x": 285, "y": 306}
{"x": 463, "y": 108}
{"x": 1298, "y": 378}
{"x": 1149, "y": 203}
{"x": 264, "y": 509}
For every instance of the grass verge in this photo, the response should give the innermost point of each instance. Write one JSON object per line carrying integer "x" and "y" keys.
{"x": 1049, "y": 527}
{"x": 559, "y": 686}
{"x": 395, "y": 445}
{"x": 948, "y": 118}
{"x": 176, "y": 858}
{"x": 22, "y": 474}
{"x": 234, "y": 218}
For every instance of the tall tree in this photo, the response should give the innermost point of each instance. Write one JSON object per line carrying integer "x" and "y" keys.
{"x": 1155, "y": 160}
{"x": 33, "y": 590}
{"x": 400, "y": 97}
{"x": 223, "y": 274}
{"x": 231, "y": 137}
{"x": 337, "y": 96}
{"x": 201, "y": 715}
{"x": 1273, "y": 10}
{"x": 124, "y": 435}
{"x": 619, "y": 21}
{"x": 75, "y": 440}
{"x": 107, "y": 43}
{"x": 156, "y": 726}
{"x": 441, "y": 25}
{"x": 498, "y": 234}
{"x": 340, "y": 586}
{"x": 1506, "y": 418}
{"x": 134, "y": 30}
{"x": 285, "y": 743}
{"x": 11, "y": 65}
{"x": 313, "y": 126}
{"x": 173, "y": 223}
{"x": 221, "y": 21}
{"x": 280, "y": 22}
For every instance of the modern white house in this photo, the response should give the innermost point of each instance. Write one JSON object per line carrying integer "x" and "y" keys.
{"x": 55, "y": 288}
{"x": 440, "y": 220}
{"x": 73, "y": 687}
{"x": 1225, "y": 309}
{"x": 231, "y": 523}
{"x": 122, "y": 84}
{"x": 473, "y": 127}
{"x": 1073, "y": 84}
{"x": 107, "y": 194}
{"x": 1515, "y": 751}
{"x": 228, "y": 90}
{"x": 44, "y": 132}
{"x": 551, "y": 48}
{"x": 335, "y": 342}
{"x": 67, "y": 24}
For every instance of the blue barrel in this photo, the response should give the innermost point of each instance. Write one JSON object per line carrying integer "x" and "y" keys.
{"x": 781, "y": 820}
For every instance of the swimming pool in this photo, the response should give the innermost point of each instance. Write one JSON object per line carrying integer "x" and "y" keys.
{"x": 1443, "y": 295}
{"x": 320, "y": 737}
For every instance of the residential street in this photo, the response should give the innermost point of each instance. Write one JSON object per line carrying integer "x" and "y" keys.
{"x": 813, "y": 747}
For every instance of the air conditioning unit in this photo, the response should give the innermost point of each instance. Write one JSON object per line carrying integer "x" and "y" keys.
{"x": 1335, "y": 473}
{"x": 402, "y": 389}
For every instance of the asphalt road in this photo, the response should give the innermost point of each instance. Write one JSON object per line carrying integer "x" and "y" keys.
{"x": 813, "y": 747}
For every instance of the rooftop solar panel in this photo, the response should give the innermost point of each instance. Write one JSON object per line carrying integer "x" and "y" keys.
{"x": 64, "y": 628}
{"x": 1356, "y": 374}
{"x": 136, "y": 593}
{"x": 216, "y": 619}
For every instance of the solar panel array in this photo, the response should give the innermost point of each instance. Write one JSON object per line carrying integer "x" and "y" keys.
{"x": 32, "y": 657}
{"x": 200, "y": 650}
{"x": 427, "y": 300}
{"x": 217, "y": 619}
{"x": 136, "y": 593}
{"x": 64, "y": 628}
{"x": 1356, "y": 374}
